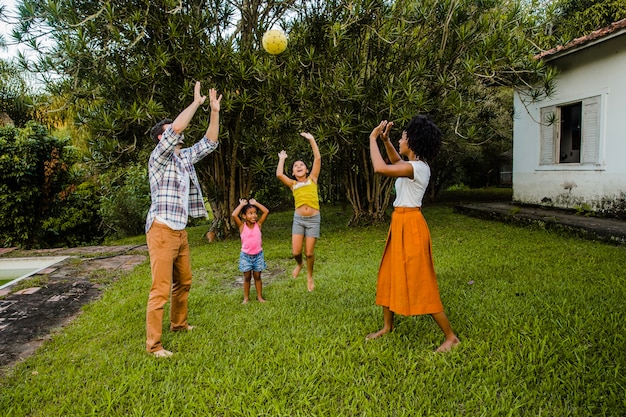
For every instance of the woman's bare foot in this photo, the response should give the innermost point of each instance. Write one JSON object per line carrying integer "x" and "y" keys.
{"x": 245, "y": 301}
{"x": 261, "y": 299}
{"x": 378, "y": 334}
{"x": 448, "y": 345}
{"x": 296, "y": 270}
{"x": 310, "y": 285}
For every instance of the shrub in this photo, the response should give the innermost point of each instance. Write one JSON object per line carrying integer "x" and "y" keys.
{"x": 125, "y": 201}
{"x": 76, "y": 220}
{"x": 45, "y": 200}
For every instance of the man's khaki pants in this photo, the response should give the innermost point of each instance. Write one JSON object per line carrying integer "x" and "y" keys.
{"x": 171, "y": 269}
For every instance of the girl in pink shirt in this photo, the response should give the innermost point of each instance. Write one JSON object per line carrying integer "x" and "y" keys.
{"x": 251, "y": 259}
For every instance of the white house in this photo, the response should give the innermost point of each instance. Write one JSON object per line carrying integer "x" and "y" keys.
{"x": 569, "y": 151}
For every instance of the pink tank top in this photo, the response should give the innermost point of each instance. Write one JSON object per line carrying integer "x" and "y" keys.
{"x": 251, "y": 239}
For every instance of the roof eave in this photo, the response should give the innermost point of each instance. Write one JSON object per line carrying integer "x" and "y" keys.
{"x": 568, "y": 51}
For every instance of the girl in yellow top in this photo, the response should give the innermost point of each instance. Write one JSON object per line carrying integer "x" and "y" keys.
{"x": 306, "y": 218}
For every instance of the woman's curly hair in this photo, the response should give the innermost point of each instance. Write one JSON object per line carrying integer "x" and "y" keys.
{"x": 424, "y": 137}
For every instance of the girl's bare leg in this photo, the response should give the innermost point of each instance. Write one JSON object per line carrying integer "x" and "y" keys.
{"x": 246, "y": 286}
{"x": 310, "y": 261}
{"x": 451, "y": 340}
{"x": 259, "y": 286}
{"x": 296, "y": 250}
{"x": 387, "y": 325}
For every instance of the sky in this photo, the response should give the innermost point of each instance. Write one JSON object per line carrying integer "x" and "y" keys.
{"x": 10, "y": 7}
{"x": 11, "y": 51}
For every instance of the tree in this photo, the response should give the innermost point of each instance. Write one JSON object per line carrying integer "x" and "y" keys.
{"x": 391, "y": 60}
{"x": 125, "y": 65}
{"x": 569, "y": 19}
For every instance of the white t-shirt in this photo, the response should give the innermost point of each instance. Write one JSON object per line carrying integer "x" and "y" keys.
{"x": 410, "y": 191}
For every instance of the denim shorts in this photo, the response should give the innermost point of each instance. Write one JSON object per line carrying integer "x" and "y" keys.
{"x": 252, "y": 262}
{"x": 309, "y": 226}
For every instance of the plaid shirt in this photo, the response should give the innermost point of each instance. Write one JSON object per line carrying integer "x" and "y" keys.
{"x": 167, "y": 186}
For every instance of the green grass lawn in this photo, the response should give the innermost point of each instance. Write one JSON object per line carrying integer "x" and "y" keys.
{"x": 540, "y": 316}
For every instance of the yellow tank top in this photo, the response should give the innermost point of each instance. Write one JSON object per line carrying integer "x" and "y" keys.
{"x": 306, "y": 193}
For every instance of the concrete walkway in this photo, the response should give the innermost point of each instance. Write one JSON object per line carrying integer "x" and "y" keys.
{"x": 594, "y": 228}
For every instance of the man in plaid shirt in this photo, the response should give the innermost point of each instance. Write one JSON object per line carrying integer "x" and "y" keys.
{"x": 176, "y": 195}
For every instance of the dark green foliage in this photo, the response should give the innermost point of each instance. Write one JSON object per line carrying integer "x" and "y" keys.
{"x": 14, "y": 99}
{"x": 75, "y": 221}
{"x": 125, "y": 204}
{"x": 42, "y": 200}
{"x": 574, "y": 18}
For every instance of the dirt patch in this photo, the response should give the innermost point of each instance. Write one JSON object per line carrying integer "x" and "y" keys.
{"x": 268, "y": 276}
{"x": 29, "y": 314}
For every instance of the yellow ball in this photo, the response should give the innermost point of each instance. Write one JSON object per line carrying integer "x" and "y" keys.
{"x": 274, "y": 41}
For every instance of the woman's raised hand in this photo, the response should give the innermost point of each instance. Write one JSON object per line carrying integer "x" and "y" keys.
{"x": 378, "y": 130}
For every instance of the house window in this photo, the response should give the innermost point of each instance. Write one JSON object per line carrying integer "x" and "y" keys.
{"x": 570, "y": 133}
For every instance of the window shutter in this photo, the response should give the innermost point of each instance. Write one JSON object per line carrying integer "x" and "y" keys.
{"x": 590, "y": 131}
{"x": 548, "y": 135}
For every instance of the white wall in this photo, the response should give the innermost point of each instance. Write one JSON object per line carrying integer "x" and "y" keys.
{"x": 596, "y": 70}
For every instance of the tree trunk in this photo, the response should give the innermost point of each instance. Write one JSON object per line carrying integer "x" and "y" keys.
{"x": 369, "y": 194}
{"x": 225, "y": 179}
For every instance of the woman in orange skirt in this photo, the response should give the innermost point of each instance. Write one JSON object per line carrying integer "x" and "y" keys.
{"x": 407, "y": 283}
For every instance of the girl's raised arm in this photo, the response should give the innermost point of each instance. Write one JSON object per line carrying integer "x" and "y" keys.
{"x": 280, "y": 170}
{"x": 237, "y": 210}
{"x": 264, "y": 211}
{"x": 317, "y": 157}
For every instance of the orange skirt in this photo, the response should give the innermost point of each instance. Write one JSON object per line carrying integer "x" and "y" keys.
{"x": 407, "y": 283}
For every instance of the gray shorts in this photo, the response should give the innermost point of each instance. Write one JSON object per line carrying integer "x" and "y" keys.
{"x": 309, "y": 226}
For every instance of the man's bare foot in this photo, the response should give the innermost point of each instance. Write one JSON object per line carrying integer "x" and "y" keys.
{"x": 448, "y": 345}
{"x": 296, "y": 270}
{"x": 245, "y": 301}
{"x": 378, "y": 334}
{"x": 261, "y": 299}
{"x": 310, "y": 285}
